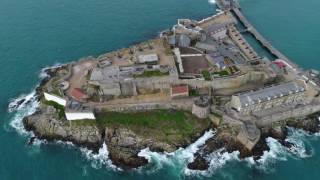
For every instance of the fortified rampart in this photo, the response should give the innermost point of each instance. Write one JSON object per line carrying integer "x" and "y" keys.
{"x": 185, "y": 105}
{"x": 298, "y": 112}
{"x": 149, "y": 84}
{"x": 240, "y": 80}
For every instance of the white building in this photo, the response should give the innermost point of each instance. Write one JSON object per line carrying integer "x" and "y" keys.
{"x": 76, "y": 111}
{"x": 73, "y": 115}
{"x": 109, "y": 73}
{"x": 286, "y": 94}
{"x": 54, "y": 98}
{"x": 149, "y": 58}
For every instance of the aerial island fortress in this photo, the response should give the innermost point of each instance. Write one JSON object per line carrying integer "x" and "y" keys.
{"x": 202, "y": 72}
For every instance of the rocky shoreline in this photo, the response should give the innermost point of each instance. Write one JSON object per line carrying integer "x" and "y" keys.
{"x": 310, "y": 124}
{"x": 124, "y": 144}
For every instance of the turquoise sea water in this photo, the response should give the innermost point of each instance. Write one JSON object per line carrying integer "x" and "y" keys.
{"x": 35, "y": 34}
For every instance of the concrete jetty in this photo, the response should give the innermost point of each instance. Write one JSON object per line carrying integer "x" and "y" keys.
{"x": 234, "y": 7}
{"x": 260, "y": 38}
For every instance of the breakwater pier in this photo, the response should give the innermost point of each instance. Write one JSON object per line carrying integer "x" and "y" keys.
{"x": 234, "y": 7}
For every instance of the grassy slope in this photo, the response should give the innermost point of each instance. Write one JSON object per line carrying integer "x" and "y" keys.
{"x": 58, "y": 107}
{"x": 163, "y": 125}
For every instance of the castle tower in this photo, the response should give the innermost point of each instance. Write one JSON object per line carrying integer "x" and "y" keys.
{"x": 201, "y": 107}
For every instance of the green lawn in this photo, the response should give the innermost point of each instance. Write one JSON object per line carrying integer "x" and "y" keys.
{"x": 162, "y": 124}
{"x": 193, "y": 92}
{"x": 206, "y": 75}
{"x": 222, "y": 73}
{"x": 146, "y": 74}
{"x": 57, "y": 106}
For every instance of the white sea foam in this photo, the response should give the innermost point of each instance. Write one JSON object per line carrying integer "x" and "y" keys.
{"x": 278, "y": 152}
{"x": 21, "y": 101}
{"x": 100, "y": 159}
{"x": 27, "y": 108}
{"x": 216, "y": 159}
{"x": 178, "y": 159}
{"x": 301, "y": 147}
{"x": 25, "y": 105}
{"x": 212, "y": 1}
{"x": 188, "y": 153}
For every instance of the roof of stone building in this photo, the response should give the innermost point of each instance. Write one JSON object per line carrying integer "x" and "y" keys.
{"x": 269, "y": 93}
{"x": 179, "y": 89}
{"x": 208, "y": 45}
{"x": 148, "y": 58}
{"x": 110, "y": 88}
{"x": 74, "y": 106}
{"x": 216, "y": 28}
{"x": 78, "y": 94}
{"x": 279, "y": 64}
{"x": 184, "y": 40}
{"x": 106, "y": 73}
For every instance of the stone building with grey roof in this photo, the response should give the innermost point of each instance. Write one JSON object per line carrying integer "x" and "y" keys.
{"x": 289, "y": 93}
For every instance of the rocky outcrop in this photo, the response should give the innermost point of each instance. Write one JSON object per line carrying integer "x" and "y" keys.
{"x": 123, "y": 143}
{"x": 199, "y": 163}
{"x": 227, "y": 141}
{"x": 310, "y": 124}
{"x": 124, "y": 146}
{"x": 49, "y": 127}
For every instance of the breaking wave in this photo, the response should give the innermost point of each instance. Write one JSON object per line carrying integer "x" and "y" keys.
{"x": 100, "y": 159}
{"x": 177, "y": 160}
{"x": 276, "y": 153}
{"x": 299, "y": 148}
{"x": 27, "y": 107}
{"x": 217, "y": 160}
{"x": 97, "y": 160}
{"x": 21, "y": 102}
{"x": 26, "y": 104}
{"x": 212, "y": 1}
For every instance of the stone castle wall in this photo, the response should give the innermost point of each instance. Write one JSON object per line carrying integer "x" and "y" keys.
{"x": 201, "y": 112}
{"x": 177, "y": 105}
{"x": 297, "y": 112}
{"x": 240, "y": 80}
{"x": 149, "y": 84}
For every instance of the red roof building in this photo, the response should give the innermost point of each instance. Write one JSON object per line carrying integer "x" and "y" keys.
{"x": 78, "y": 94}
{"x": 179, "y": 91}
{"x": 279, "y": 64}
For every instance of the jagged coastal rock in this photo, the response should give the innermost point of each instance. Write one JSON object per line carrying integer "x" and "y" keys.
{"x": 48, "y": 126}
{"x": 279, "y": 132}
{"x": 123, "y": 143}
